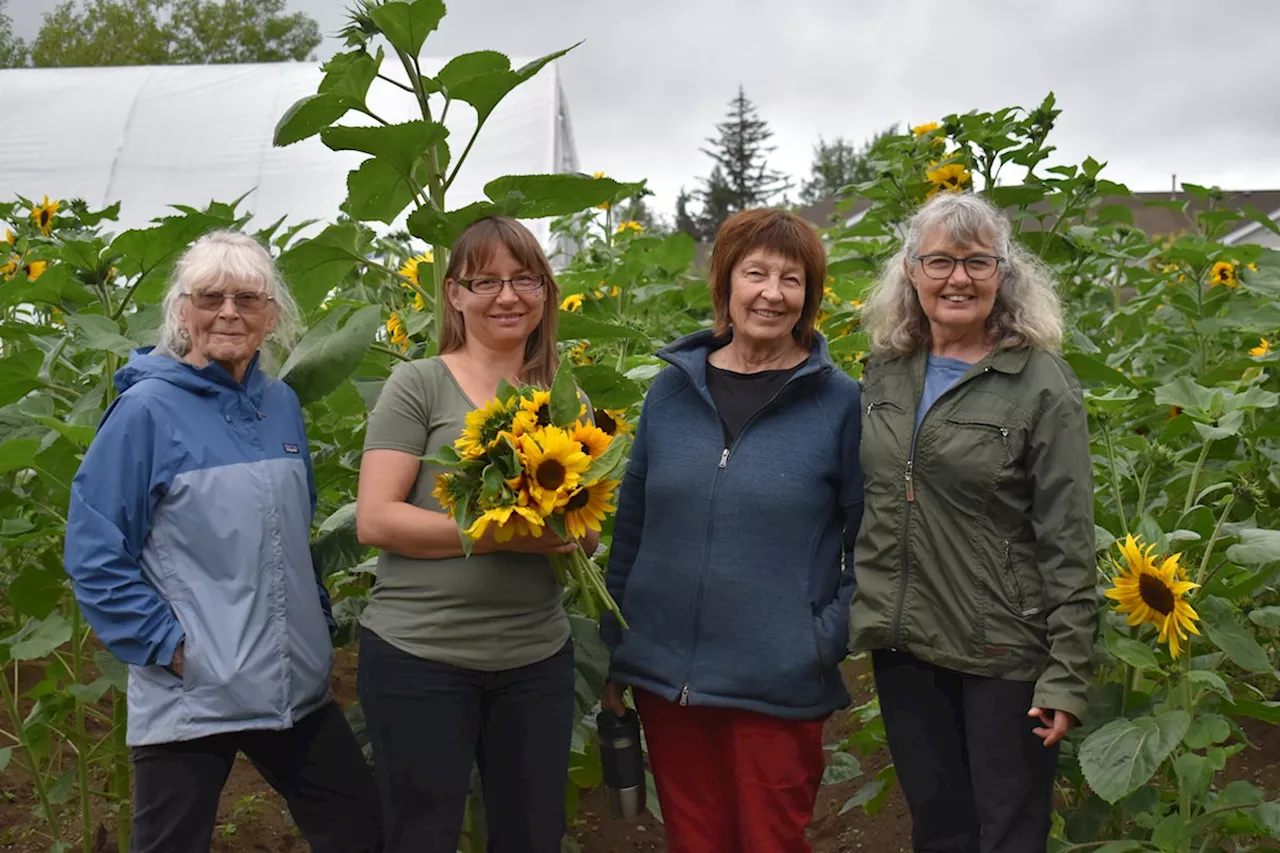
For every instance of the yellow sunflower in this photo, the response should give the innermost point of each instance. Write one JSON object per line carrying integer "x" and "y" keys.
{"x": 588, "y": 506}
{"x": 419, "y": 304}
{"x": 612, "y": 421}
{"x": 594, "y": 440}
{"x": 952, "y": 177}
{"x": 448, "y": 491}
{"x": 10, "y": 237}
{"x": 578, "y": 353}
{"x": 553, "y": 465}
{"x": 572, "y": 302}
{"x": 509, "y": 521}
{"x": 410, "y": 268}
{"x": 483, "y": 429}
{"x": 1151, "y": 593}
{"x": 43, "y": 215}
{"x": 630, "y": 225}
{"x": 927, "y": 127}
{"x": 395, "y": 328}
{"x": 35, "y": 269}
{"x": 1263, "y": 347}
{"x": 7, "y": 271}
{"x": 1223, "y": 274}
{"x": 534, "y": 412}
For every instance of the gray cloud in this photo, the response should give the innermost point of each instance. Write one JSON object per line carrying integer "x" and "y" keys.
{"x": 1154, "y": 87}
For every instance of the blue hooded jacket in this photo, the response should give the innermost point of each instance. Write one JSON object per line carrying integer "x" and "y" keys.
{"x": 190, "y": 522}
{"x": 734, "y": 566}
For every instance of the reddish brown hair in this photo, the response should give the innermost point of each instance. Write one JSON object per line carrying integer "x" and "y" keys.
{"x": 473, "y": 249}
{"x": 775, "y": 231}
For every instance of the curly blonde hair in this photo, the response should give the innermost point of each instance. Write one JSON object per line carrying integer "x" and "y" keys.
{"x": 1026, "y": 311}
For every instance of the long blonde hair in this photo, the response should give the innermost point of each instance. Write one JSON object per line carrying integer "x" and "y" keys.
{"x": 473, "y": 249}
{"x": 1026, "y": 312}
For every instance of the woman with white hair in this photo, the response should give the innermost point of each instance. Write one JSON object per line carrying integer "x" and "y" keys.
{"x": 975, "y": 562}
{"x": 188, "y": 544}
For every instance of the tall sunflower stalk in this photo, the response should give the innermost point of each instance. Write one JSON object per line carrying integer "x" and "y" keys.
{"x": 528, "y": 461}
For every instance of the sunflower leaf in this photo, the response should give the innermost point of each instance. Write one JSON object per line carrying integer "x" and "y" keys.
{"x": 445, "y": 457}
{"x": 1266, "y": 617}
{"x": 492, "y": 482}
{"x": 505, "y": 391}
{"x": 607, "y": 463}
{"x": 1202, "y": 679}
{"x": 564, "y": 397}
{"x": 1120, "y": 757}
{"x": 1223, "y": 627}
{"x": 1132, "y": 652}
{"x": 557, "y": 525}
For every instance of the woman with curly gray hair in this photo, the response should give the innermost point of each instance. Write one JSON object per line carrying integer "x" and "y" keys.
{"x": 975, "y": 562}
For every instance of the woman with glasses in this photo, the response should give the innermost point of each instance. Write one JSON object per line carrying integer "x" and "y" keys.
{"x": 465, "y": 660}
{"x": 188, "y": 544}
{"x": 975, "y": 562}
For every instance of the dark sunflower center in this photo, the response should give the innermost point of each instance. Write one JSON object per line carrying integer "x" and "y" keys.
{"x": 45, "y": 216}
{"x": 544, "y": 415}
{"x": 550, "y": 474}
{"x": 1155, "y": 594}
{"x": 606, "y": 423}
{"x": 578, "y": 500}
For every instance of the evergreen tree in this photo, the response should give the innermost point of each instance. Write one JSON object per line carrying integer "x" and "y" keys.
{"x": 838, "y": 164}
{"x": 741, "y": 177}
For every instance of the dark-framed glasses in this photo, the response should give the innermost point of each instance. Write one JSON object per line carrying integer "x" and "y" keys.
{"x": 978, "y": 267}
{"x": 523, "y": 283}
{"x": 247, "y": 301}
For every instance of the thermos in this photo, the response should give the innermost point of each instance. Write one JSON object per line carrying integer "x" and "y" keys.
{"x": 622, "y": 761}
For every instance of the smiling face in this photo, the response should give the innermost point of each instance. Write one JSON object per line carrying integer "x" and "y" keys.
{"x": 958, "y": 304}
{"x": 503, "y": 319}
{"x": 226, "y": 322}
{"x": 766, "y": 297}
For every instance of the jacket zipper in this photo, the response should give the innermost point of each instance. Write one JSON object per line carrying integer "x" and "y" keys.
{"x": 895, "y": 633}
{"x": 706, "y": 551}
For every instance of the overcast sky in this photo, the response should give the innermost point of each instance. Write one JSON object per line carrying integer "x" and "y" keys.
{"x": 1154, "y": 87}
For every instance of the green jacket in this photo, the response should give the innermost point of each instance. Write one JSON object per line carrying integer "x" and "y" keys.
{"x": 976, "y": 551}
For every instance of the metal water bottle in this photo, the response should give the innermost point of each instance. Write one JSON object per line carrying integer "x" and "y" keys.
{"x": 622, "y": 761}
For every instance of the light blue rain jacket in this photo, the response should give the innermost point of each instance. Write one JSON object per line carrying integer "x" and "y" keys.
{"x": 190, "y": 522}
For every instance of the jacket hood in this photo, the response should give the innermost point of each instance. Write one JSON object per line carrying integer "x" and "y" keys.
{"x": 155, "y": 363}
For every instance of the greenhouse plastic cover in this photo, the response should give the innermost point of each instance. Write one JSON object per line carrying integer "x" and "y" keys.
{"x": 153, "y": 136}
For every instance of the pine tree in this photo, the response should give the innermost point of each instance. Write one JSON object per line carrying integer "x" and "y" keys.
{"x": 741, "y": 177}
{"x": 838, "y": 164}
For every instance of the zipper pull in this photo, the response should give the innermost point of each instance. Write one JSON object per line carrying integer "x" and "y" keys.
{"x": 870, "y": 406}
{"x": 1004, "y": 435}
{"x": 724, "y": 458}
{"x": 911, "y": 488}
{"x": 684, "y": 695}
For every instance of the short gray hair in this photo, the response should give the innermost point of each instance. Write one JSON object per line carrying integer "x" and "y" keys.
{"x": 214, "y": 259}
{"x": 1026, "y": 312}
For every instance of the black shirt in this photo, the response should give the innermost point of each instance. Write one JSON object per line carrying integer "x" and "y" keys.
{"x": 738, "y": 396}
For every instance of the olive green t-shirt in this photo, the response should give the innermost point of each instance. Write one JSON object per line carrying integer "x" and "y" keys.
{"x": 486, "y": 612}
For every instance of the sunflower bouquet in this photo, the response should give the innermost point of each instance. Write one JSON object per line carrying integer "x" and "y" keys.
{"x": 531, "y": 460}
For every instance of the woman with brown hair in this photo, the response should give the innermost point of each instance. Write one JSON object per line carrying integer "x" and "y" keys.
{"x": 731, "y": 555}
{"x": 463, "y": 659}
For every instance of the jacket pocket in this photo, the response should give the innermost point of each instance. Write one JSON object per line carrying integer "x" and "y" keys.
{"x": 969, "y": 448}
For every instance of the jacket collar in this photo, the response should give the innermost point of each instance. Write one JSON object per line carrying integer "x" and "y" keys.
{"x": 690, "y": 352}
{"x": 1009, "y": 360}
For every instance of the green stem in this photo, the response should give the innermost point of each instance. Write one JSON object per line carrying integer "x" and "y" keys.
{"x": 81, "y": 739}
{"x": 1115, "y": 479}
{"x": 1142, "y": 492}
{"x": 1213, "y": 540}
{"x": 29, "y": 756}
{"x": 1184, "y": 785}
{"x": 120, "y": 769}
{"x": 1195, "y": 475}
{"x": 389, "y": 351}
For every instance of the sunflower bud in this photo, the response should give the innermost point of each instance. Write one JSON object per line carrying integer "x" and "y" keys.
{"x": 1161, "y": 455}
{"x": 1249, "y": 492}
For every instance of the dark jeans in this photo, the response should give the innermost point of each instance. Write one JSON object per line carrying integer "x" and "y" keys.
{"x": 975, "y": 777}
{"x": 317, "y": 767}
{"x": 429, "y": 721}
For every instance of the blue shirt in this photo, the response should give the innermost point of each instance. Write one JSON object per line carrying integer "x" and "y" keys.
{"x": 939, "y": 375}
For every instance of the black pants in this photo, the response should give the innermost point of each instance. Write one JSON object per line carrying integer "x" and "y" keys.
{"x": 317, "y": 767}
{"x": 976, "y": 779}
{"x": 429, "y": 721}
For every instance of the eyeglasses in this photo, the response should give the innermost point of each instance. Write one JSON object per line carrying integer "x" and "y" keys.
{"x": 940, "y": 267}
{"x": 492, "y": 286}
{"x": 247, "y": 301}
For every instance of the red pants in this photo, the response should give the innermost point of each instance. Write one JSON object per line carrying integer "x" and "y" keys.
{"x": 732, "y": 781}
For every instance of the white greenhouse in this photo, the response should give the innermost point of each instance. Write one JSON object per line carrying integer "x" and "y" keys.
{"x": 154, "y": 136}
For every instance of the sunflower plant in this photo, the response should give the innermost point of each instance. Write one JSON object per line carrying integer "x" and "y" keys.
{"x": 531, "y": 460}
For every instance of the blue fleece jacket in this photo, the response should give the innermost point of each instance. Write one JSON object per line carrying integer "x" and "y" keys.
{"x": 733, "y": 566}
